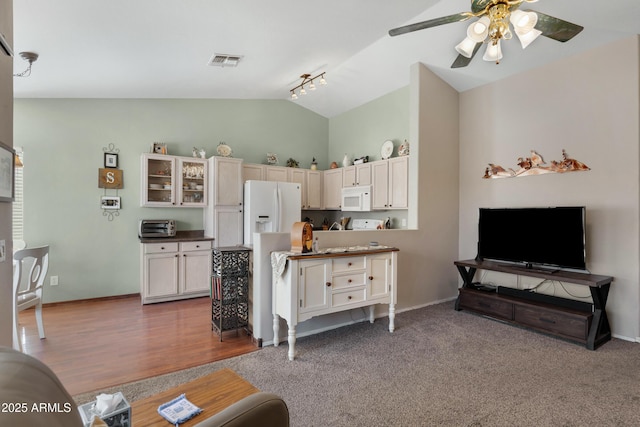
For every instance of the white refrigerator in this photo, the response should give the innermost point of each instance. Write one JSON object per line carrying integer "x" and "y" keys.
{"x": 270, "y": 206}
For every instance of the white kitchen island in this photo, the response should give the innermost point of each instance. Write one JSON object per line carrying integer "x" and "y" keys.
{"x": 330, "y": 281}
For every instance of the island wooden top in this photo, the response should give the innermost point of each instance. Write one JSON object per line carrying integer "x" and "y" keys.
{"x": 348, "y": 251}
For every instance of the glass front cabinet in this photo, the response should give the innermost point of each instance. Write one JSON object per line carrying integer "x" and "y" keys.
{"x": 171, "y": 181}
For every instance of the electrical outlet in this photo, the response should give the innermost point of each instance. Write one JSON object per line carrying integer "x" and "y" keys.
{"x": 53, "y": 281}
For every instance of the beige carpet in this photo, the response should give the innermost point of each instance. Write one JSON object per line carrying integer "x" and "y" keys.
{"x": 440, "y": 367}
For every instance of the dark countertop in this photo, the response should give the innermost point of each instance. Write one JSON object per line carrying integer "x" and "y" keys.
{"x": 181, "y": 236}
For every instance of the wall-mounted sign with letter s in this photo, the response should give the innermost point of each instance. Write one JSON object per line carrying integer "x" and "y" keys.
{"x": 110, "y": 178}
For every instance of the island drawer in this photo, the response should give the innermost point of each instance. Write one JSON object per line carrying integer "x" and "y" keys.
{"x": 348, "y": 264}
{"x": 349, "y": 297}
{"x": 349, "y": 280}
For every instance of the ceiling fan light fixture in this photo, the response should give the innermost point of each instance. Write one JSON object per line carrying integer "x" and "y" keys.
{"x": 478, "y": 30}
{"x": 493, "y": 52}
{"x": 466, "y": 47}
{"x": 523, "y": 21}
{"x": 527, "y": 38}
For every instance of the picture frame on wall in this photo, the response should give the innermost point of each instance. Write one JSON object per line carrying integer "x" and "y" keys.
{"x": 7, "y": 169}
{"x": 159, "y": 148}
{"x": 110, "y": 160}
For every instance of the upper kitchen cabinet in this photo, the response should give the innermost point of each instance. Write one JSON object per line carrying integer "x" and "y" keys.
{"x": 390, "y": 183}
{"x": 399, "y": 182}
{"x": 332, "y": 191}
{"x": 158, "y": 180}
{"x": 223, "y": 215}
{"x": 355, "y": 175}
{"x": 311, "y": 184}
{"x": 192, "y": 182}
{"x": 171, "y": 181}
{"x": 252, "y": 172}
{"x": 314, "y": 189}
{"x": 227, "y": 181}
{"x": 277, "y": 173}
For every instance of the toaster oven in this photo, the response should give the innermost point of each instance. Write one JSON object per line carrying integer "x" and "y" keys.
{"x": 157, "y": 228}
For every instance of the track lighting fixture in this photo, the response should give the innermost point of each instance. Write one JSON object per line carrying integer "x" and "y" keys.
{"x": 29, "y": 57}
{"x": 307, "y": 80}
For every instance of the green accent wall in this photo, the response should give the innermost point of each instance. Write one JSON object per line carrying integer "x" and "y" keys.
{"x": 63, "y": 142}
{"x": 362, "y": 131}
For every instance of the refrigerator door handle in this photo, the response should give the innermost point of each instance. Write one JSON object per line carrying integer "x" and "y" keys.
{"x": 278, "y": 209}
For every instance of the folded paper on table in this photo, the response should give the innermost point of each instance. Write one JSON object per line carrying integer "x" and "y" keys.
{"x": 178, "y": 410}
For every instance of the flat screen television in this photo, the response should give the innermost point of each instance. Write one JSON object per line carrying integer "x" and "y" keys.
{"x": 546, "y": 237}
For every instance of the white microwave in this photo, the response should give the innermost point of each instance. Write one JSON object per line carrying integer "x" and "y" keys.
{"x": 356, "y": 199}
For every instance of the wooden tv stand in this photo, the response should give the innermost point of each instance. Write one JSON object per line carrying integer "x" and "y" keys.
{"x": 573, "y": 321}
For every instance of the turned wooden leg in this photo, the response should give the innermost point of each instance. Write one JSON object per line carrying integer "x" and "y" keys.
{"x": 372, "y": 313}
{"x": 392, "y": 317}
{"x": 276, "y": 330}
{"x": 292, "y": 342}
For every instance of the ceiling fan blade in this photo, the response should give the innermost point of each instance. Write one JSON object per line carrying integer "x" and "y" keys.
{"x": 556, "y": 28}
{"x": 430, "y": 23}
{"x": 463, "y": 61}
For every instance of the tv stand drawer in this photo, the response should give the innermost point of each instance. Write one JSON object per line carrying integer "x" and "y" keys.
{"x": 485, "y": 303}
{"x": 568, "y": 324}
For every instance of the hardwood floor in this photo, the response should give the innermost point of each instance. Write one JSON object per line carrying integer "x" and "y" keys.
{"x": 101, "y": 343}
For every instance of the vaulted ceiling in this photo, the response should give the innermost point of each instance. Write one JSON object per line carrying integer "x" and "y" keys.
{"x": 161, "y": 48}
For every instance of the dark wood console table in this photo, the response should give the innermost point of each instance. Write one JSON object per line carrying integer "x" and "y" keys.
{"x": 574, "y": 321}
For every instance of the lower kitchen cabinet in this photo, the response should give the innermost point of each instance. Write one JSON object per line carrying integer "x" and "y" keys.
{"x": 174, "y": 270}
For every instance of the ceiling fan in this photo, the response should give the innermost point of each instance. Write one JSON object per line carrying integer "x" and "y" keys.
{"x": 493, "y": 26}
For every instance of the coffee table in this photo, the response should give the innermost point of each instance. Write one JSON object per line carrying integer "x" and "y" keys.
{"x": 212, "y": 393}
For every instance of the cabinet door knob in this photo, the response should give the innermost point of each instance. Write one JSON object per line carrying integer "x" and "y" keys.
{"x": 162, "y": 248}
{"x": 370, "y": 277}
{"x": 197, "y": 246}
{"x": 349, "y": 264}
{"x": 349, "y": 297}
{"x": 328, "y": 283}
{"x": 349, "y": 280}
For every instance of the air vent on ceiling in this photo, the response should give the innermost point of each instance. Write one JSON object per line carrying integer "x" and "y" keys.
{"x": 223, "y": 60}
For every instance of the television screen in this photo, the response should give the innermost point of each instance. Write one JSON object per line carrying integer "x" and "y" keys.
{"x": 552, "y": 236}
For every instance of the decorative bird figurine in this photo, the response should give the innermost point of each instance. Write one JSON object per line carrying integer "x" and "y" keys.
{"x": 536, "y": 159}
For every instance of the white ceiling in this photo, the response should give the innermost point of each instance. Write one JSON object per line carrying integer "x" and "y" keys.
{"x": 160, "y": 48}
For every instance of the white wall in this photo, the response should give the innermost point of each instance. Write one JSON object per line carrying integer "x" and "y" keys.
{"x": 588, "y": 105}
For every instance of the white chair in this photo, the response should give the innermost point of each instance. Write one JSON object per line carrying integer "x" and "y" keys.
{"x": 32, "y": 295}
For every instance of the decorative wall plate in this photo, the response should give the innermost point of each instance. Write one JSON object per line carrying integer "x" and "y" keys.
{"x": 386, "y": 150}
{"x": 223, "y": 150}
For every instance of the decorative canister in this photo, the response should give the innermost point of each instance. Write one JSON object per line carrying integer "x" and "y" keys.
{"x": 346, "y": 161}
{"x": 403, "y": 150}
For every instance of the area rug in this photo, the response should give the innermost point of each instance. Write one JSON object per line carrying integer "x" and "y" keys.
{"x": 439, "y": 367}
